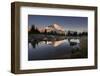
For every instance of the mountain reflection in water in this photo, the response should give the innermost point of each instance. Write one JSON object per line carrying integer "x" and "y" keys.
{"x": 55, "y": 49}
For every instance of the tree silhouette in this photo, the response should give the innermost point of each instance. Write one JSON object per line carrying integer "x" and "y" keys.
{"x": 75, "y": 33}
{"x": 69, "y": 33}
{"x": 45, "y": 32}
{"x": 33, "y": 30}
{"x": 84, "y": 33}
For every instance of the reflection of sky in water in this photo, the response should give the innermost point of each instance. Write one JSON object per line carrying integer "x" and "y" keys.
{"x": 52, "y": 49}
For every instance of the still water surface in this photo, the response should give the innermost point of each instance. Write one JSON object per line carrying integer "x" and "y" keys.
{"x": 62, "y": 49}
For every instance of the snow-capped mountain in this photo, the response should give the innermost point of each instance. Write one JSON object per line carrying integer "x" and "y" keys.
{"x": 55, "y": 27}
{"x": 52, "y": 28}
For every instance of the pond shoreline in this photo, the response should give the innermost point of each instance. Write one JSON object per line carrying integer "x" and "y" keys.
{"x": 50, "y": 37}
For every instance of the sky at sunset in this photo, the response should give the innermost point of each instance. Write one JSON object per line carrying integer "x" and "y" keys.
{"x": 78, "y": 24}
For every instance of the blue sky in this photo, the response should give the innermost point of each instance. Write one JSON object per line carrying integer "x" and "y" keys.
{"x": 78, "y": 24}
